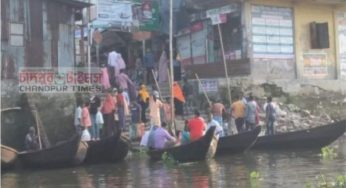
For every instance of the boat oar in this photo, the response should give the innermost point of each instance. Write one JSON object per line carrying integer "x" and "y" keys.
{"x": 40, "y": 128}
{"x": 34, "y": 111}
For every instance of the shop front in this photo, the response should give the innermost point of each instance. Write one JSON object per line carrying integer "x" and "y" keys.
{"x": 199, "y": 45}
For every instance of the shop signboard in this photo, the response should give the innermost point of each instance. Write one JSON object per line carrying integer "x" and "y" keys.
{"x": 147, "y": 15}
{"x": 219, "y": 15}
{"x": 113, "y": 13}
{"x": 222, "y": 10}
{"x": 208, "y": 85}
{"x": 218, "y": 19}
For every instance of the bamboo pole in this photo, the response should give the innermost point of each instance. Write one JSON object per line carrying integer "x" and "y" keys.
{"x": 171, "y": 56}
{"x": 38, "y": 128}
{"x": 172, "y": 107}
{"x": 157, "y": 85}
{"x": 205, "y": 93}
{"x": 9, "y": 109}
{"x": 225, "y": 65}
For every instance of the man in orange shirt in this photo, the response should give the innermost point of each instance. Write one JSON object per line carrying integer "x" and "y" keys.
{"x": 196, "y": 127}
{"x": 238, "y": 112}
{"x": 179, "y": 99}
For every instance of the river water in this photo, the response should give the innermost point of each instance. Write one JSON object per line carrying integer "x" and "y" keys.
{"x": 276, "y": 169}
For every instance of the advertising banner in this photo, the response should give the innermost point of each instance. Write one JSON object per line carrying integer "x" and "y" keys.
{"x": 315, "y": 65}
{"x": 272, "y": 32}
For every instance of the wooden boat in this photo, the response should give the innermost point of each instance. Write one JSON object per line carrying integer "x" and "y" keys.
{"x": 111, "y": 149}
{"x": 8, "y": 157}
{"x": 60, "y": 155}
{"x": 310, "y": 138}
{"x": 198, "y": 150}
{"x": 237, "y": 143}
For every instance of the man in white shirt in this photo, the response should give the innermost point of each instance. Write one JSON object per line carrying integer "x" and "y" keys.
{"x": 77, "y": 118}
{"x": 112, "y": 66}
{"x": 212, "y": 122}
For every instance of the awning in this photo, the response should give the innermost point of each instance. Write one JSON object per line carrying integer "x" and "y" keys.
{"x": 209, "y": 4}
{"x": 79, "y": 4}
{"x": 141, "y": 35}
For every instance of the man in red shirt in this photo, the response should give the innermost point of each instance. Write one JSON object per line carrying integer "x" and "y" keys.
{"x": 196, "y": 127}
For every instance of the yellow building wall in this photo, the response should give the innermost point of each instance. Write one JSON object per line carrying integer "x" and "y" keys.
{"x": 304, "y": 12}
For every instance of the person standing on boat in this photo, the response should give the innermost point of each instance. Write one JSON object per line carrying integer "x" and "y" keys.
{"x": 218, "y": 128}
{"x": 143, "y": 97}
{"x": 99, "y": 122}
{"x": 238, "y": 113}
{"x": 251, "y": 111}
{"x": 78, "y": 117}
{"x": 179, "y": 99}
{"x": 86, "y": 121}
{"x": 167, "y": 111}
{"x": 188, "y": 93}
{"x": 155, "y": 105}
{"x": 162, "y": 139}
{"x": 121, "y": 108}
{"x": 31, "y": 140}
{"x": 95, "y": 103}
{"x": 108, "y": 110}
{"x": 217, "y": 110}
{"x": 196, "y": 126}
{"x": 270, "y": 116}
{"x": 135, "y": 119}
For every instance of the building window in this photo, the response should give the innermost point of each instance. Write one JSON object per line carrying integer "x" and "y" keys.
{"x": 232, "y": 38}
{"x": 272, "y": 32}
{"x": 16, "y": 34}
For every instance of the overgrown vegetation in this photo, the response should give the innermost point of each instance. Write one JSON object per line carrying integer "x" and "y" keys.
{"x": 322, "y": 182}
{"x": 328, "y": 153}
{"x": 168, "y": 159}
{"x": 254, "y": 178}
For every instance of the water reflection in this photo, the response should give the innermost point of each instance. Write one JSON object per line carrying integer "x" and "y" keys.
{"x": 277, "y": 169}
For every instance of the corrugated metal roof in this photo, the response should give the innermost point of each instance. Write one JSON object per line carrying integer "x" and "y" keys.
{"x": 75, "y": 3}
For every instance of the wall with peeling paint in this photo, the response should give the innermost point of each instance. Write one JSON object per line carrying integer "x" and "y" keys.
{"x": 304, "y": 12}
{"x": 47, "y": 34}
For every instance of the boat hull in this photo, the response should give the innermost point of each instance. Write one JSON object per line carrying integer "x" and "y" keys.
{"x": 61, "y": 155}
{"x": 237, "y": 143}
{"x": 314, "y": 138}
{"x": 107, "y": 150}
{"x": 8, "y": 157}
{"x": 201, "y": 149}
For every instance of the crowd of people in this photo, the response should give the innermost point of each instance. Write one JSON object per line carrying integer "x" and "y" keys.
{"x": 102, "y": 115}
{"x": 245, "y": 111}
